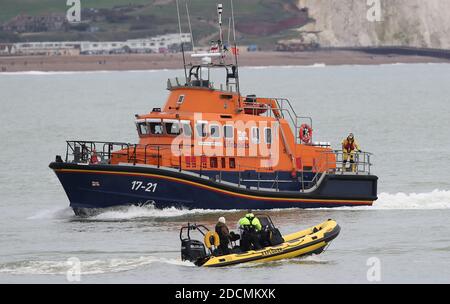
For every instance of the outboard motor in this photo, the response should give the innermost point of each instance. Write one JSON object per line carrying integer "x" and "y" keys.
{"x": 193, "y": 250}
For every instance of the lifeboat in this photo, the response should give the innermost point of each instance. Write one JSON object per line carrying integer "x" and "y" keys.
{"x": 211, "y": 147}
{"x": 302, "y": 243}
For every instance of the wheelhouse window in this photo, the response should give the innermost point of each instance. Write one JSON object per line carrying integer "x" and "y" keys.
{"x": 255, "y": 135}
{"x": 213, "y": 162}
{"x": 214, "y": 130}
{"x": 143, "y": 128}
{"x": 203, "y": 160}
{"x": 268, "y": 135}
{"x": 180, "y": 99}
{"x": 228, "y": 132}
{"x": 223, "y": 162}
{"x": 173, "y": 127}
{"x": 202, "y": 129}
{"x": 232, "y": 163}
{"x": 187, "y": 130}
{"x": 156, "y": 128}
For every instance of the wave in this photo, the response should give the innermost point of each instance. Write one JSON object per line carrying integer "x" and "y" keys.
{"x": 127, "y": 213}
{"x": 435, "y": 200}
{"x": 53, "y": 213}
{"x": 40, "y": 73}
{"x": 50, "y": 73}
{"x": 149, "y": 211}
{"x": 89, "y": 267}
{"x": 263, "y": 67}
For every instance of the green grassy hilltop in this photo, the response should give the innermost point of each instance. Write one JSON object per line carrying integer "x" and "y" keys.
{"x": 257, "y": 21}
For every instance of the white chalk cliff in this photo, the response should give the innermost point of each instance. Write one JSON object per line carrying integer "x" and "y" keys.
{"x": 418, "y": 23}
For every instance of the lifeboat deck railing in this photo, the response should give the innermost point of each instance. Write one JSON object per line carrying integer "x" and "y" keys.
{"x": 285, "y": 110}
{"x": 360, "y": 165}
{"x": 82, "y": 150}
{"x": 331, "y": 162}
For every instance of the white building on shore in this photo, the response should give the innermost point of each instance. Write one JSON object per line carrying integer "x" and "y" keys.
{"x": 5, "y": 49}
{"x": 46, "y": 48}
{"x": 158, "y": 44}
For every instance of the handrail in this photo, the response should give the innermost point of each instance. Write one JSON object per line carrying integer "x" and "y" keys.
{"x": 361, "y": 162}
{"x": 82, "y": 149}
{"x": 280, "y": 107}
{"x": 328, "y": 162}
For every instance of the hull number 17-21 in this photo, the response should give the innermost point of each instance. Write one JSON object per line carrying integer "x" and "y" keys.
{"x": 147, "y": 187}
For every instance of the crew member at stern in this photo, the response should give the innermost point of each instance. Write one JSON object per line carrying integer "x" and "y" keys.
{"x": 349, "y": 149}
{"x": 224, "y": 235}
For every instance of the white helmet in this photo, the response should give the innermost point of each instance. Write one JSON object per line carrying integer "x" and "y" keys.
{"x": 222, "y": 219}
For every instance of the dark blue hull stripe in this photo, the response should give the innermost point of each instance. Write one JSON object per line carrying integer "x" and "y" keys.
{"x": 109, "y": 186}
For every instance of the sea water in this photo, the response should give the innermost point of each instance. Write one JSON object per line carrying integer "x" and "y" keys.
{"x": 400, "y": 113}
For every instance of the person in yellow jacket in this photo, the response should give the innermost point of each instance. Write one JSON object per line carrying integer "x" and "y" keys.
{"x": 349, "y": 149}
{"x": 250, "y": 227}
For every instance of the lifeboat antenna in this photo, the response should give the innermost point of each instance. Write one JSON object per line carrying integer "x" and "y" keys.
{"x": 229, "y": 30}
{"x": 219, "y": 12}
{"x": 182, "y": 43}
{"x": 235, "y": 52}
{"x": 190, "y": 27}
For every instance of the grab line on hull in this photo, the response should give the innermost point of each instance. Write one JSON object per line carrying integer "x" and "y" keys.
{"x": 216, "y": 189}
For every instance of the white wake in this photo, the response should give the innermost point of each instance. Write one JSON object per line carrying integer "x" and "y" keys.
{"x": 88, "y": 267}
{"x": 435, "y": 200}
{"x": 150, "y": 211}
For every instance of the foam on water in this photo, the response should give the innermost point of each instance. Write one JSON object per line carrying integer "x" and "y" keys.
{"x": 50, "y": 73}
{"x": 90, "y": 267}
{"x": 315, "y": 65}
{"x": 313, "y": 259}
{"x": 150, "y": 211}
{"x": 435, "y": 200}
{"x": 53, "y": 213}
{"x": 263, "y": 67}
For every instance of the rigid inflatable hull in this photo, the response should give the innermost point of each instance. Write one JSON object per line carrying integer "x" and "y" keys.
{"x": 305, "y": 243}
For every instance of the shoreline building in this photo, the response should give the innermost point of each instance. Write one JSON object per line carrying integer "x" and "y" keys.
{"x": 5, "y": 49}
{"x": 46, "y": 48}
{"x": 170, "y": 43}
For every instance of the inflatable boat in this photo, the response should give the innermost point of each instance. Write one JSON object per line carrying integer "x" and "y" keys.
{"x": 310, "y": 241}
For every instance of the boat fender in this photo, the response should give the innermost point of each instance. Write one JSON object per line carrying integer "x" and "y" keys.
{"x": 293, "y": 173}
{"x": 211, "y": 236}
{"x": 94, "y": 157}
{"x": 305, "y": 133}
